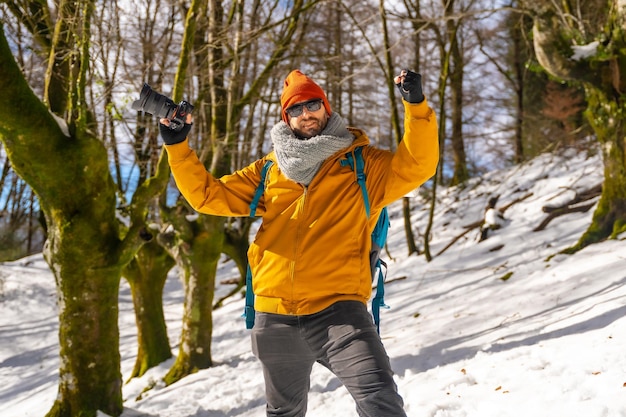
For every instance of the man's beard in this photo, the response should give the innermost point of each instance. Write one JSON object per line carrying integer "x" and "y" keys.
{"x": 313, "y": 127}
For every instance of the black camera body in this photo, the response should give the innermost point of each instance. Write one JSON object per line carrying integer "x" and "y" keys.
{"x": 163, "y": 107}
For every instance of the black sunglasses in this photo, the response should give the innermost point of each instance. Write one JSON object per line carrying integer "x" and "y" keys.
{"x": 297, "y": 109}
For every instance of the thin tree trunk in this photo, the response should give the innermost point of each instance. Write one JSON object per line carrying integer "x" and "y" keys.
{"x": 519, "y": 69}
{"x": 460, "y": 174}
{"x": 395, "y": 123}
{"x": 443, "y": 80}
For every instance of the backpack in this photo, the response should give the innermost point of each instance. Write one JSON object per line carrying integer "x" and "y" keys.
{"x": 379, "y": 238}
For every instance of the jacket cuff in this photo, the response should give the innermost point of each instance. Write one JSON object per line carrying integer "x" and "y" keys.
{"x": 178, "y": 151}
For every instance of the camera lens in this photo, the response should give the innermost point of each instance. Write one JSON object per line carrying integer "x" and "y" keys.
{"x": 154, "y": 103}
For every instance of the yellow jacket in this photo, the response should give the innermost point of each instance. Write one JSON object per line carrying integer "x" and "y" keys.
{"x": 312, "y": 248}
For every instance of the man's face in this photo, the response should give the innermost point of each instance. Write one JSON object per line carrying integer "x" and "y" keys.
{"x": 308, "y": 118}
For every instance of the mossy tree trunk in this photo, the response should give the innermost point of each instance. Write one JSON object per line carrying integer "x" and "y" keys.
{"x": 147, "y": 274}
{"x": 607, "y": 116}
{"x": 603, "y": 75}
{"x": 70, "y": 176}
{"x": 67, "y": 167}
{"x": 195, "y": 243}
{"x": 197, "y": 246}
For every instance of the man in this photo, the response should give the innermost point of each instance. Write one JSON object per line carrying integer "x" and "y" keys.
{"x": 310, "y": 258}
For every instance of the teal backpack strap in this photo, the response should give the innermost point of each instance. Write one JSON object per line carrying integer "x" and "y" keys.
{"x": 248, "y": 312}
{"x": 379, "y": 235}
{"x": 260, "y": 189}
{"x": 359, "y": 168}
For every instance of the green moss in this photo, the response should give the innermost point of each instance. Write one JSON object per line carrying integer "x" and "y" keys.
{"x": 618, "y": 228}
{"x": 147, "y": 274}
{"x": 506, "y": 276}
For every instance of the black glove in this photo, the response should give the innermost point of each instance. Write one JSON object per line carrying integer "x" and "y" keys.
{"x": 171, "y": 137}
{"x": 411, "y": 87}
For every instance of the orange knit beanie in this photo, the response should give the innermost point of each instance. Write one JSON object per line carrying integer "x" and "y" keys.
{"x": 298, "y": 88}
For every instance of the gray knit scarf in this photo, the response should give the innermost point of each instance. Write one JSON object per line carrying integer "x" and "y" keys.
{"x": 300, "y": 159}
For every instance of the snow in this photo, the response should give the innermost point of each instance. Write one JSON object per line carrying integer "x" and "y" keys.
{"x": 507, "y": 327}
{"x": 585, "y": 51}
{"x": 62, "y": 124}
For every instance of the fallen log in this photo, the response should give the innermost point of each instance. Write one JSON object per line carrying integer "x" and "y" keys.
{"x": 585, "y": 195}
{"x": 570, "y": 206}
{"x": 560, "y": 212}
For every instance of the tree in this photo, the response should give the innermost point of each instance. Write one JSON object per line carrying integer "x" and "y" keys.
{"x": 507, "y": 49}
{"x": 146, "y": 274}
{"x": 454, "y": 19}
{"x": 148, "y": 271}
{"x": 395, "y": 117}
{"x": 418, "y": 24}
{"x": 54, "y": 146}
{"x": 586, "y": 43}
{"x": 87, "y": 280}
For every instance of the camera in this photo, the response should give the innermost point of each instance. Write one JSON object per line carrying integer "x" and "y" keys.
{"x": 163, "y": 107}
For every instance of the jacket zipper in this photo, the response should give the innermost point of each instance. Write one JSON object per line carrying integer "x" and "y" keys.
{"x": 292, "y": 272}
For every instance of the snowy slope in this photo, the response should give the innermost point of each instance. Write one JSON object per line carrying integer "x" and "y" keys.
{"x": 505, "y": 327}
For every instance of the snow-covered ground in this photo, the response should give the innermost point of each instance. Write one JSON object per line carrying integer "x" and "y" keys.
{"x": 502, "y": 328}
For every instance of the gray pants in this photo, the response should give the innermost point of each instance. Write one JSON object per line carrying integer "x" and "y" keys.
{"x": 343, "y": 338}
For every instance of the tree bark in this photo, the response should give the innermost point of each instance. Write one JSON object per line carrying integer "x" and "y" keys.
{"x": 147, "y": 274}
{"x": 67, "y": 167}
{"x": 604, "y": 76}
{"x": 196, "y": 246}
{"x": 460, "y": 172}
{"x": 70, "y": 175}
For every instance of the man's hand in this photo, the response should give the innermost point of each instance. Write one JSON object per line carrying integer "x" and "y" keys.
{"x": 171, "y": 137}
{"x": 410, "y": 85}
